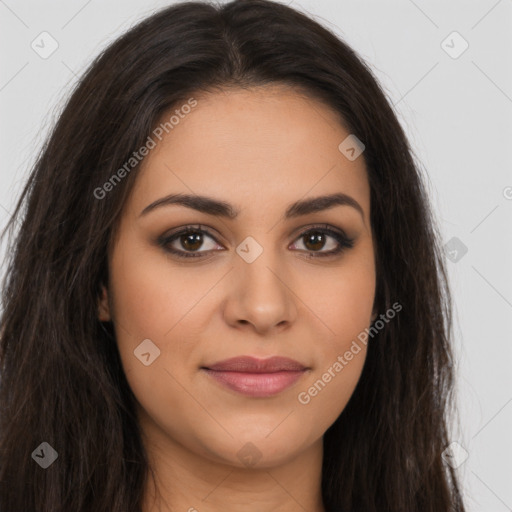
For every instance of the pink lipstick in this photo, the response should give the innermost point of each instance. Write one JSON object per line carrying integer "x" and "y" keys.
{"x": 256, "y": 377}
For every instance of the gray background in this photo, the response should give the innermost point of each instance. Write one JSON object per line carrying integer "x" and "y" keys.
{"x": 456, "y": 111}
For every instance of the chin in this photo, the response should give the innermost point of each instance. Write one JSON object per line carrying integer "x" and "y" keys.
{"x": 258, "y": 450}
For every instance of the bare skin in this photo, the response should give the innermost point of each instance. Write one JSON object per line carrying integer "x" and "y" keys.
{"x": 259, "y": 150}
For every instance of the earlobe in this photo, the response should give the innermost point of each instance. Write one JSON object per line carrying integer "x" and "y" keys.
{"x": 103, "y": 307}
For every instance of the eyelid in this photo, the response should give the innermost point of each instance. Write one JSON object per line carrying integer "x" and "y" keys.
{"x": 204, "y": 228}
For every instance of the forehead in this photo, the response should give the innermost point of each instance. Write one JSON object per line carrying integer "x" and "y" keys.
{"x": 258, "y": 148}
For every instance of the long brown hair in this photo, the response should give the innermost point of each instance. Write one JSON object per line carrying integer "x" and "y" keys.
{"x": 61, "y": 380}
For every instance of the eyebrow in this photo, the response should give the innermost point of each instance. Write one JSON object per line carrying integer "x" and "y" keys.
{"x": 219, "y": 208}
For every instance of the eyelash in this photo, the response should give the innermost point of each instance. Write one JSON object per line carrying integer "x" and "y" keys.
{"x": 343, "y": 241}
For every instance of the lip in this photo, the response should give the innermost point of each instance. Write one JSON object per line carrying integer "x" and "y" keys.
{"x": 257, "y": 377}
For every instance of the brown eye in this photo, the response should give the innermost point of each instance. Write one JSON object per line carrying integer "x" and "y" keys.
{"x": 187, "y": 242}
{"x": 316, "y": 239}
{"x": 191, "y": 241}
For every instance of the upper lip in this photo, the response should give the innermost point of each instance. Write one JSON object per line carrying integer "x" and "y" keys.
{"x": 251, "y": 364}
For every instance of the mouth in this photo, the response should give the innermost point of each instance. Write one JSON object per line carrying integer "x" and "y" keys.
{"x": 255, "y": 377}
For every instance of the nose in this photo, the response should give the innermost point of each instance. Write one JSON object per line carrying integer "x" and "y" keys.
{"x": 260, "y": 296}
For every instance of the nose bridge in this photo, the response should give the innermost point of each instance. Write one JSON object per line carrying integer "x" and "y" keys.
{"x": 259, "y": 268}
{"x": 261, "y": 292}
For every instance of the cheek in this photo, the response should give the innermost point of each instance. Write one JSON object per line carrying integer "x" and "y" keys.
{"x": 341, "y": 299}
{"x": 340, "y": 358}
{"x": 150, "y": 295}
{"x": 324, "y": 397}
{"x": 343, "y": 303}
{"x": 154, "y": 301}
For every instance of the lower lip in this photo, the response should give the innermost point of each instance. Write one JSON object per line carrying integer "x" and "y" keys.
{"x": 256, "y": 384}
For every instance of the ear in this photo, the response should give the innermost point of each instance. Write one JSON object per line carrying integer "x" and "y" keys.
{"x": 103, "y": 307}
{"x": 374, "y": 315}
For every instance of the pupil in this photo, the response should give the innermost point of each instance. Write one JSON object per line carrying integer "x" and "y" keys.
{"x": 315, "y": 239}
{"x": 191, "y": 241}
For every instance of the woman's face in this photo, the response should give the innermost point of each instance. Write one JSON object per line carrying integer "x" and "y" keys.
{"x": 248, "y": 287}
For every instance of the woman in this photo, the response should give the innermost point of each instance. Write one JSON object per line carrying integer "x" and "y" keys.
{"x": 227, "y": 290}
